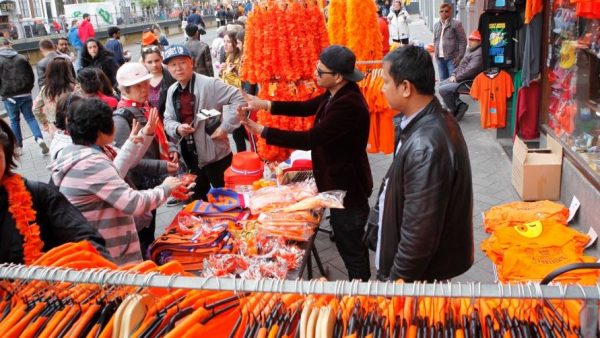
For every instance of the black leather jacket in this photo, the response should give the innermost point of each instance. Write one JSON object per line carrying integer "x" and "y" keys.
{"x": 427, "y": 227}
{"x": 60, "y": 222}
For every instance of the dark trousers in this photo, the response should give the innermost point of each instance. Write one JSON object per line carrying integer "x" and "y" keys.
{"x": 210, "y": 174}
{"x": 146, "y": 236}
{"x": 239, "y": 137}
{"x": 349, "y": 227}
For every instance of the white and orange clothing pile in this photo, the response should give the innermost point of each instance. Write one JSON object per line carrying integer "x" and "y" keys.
{"x": 527, "y": 243}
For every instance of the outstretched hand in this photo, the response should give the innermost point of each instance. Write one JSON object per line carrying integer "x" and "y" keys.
{"x": 135, "y": 136}
{"x": 153, "y": 119}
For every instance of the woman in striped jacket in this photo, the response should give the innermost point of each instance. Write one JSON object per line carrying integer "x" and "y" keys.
{"x": 86, "y": 175}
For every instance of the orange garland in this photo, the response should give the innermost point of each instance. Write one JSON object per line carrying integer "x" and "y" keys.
{"x": 20, "y": 206}
{"x": 282, "y": 45}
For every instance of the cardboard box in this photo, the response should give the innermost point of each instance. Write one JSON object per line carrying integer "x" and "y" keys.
{"x": 536, "y": 173}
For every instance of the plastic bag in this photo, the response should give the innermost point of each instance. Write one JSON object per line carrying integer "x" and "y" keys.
{"x": 296, "y": 232}
{"x": 271, "y": 197}
{"x": 310, "y": 216}
{"x": 333, "y": 199}
{"x": 181, "y": 192}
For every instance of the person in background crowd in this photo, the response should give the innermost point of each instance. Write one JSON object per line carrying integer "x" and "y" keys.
{"x": 470, "y": 65}
{"x": 62, "y": 46}
{"x": 91, "y": 86}
{"x": 49, "y": 52}
{"x": 199, "y": 49}
{"x": 247, "y": 7}
{"x": 217, "y": 47}
{"x": 229, "y": 14}
{"x": 230, "y": 73}
{"x": 95, "y": 55}
{"x": 59, "y": 80}
{"x": 114, "y": 45}
{"x": 62, "y": 139}
{"x": 74, "y": 36}
{"x": 221, "y": 17}
{"x": 106, "y": 87}
{"x": 385, "y": 9}
{"x": 385, "y": 31}
{"x": 338, "y": 142}
{"x": 150, "y": 39}
{"x": 162, "y": 39}
{"x": 449, "y": 41}
{"x": 161, "y": 158}
{"x": 59, "y": 222}
{"x": 86, "y": 29}
{"x": 107, "y": 201}
{"x": 13, "y": 33}
{"x": 399, "y": 20}
{"x": 205, "y": 145}
{"x": 161, "y": 79}
{"x": 425, "y": 228}
{"x": 196, "y": 18}
{"x": 16, "y": 83}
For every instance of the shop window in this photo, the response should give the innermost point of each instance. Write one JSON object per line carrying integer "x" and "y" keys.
{"x": 574, "y": 79}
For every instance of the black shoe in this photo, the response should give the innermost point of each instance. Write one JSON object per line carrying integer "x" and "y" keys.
{"x": 460, "y": 111}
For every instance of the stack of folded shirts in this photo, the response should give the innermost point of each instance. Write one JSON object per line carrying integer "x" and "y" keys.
{"x": 192, "y": 243}
{"x": 517, "y": 213}
{"x": 531, "y": 251}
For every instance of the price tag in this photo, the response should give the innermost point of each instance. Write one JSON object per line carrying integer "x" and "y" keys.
{"x": 573, "y": 208}
{"x": 593, "y": 237}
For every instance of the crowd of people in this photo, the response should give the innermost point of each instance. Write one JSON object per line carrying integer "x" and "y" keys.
{"x": 121, "y": 131}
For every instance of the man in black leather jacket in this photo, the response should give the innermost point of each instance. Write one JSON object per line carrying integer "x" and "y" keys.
{"x": 426, "y": 200}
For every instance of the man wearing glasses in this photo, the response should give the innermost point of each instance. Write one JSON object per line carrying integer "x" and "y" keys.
{"x": 450, "y": 42}
{"x": 338, "y": 141}
{"x": 203, "y": 142}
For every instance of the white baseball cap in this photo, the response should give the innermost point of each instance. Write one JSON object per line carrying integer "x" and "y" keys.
{"x": 132, "y": 73}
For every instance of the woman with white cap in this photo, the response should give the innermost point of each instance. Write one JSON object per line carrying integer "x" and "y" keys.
{"x": 161, "y": 158}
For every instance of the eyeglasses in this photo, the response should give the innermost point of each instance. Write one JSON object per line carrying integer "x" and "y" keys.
{"x": 150, "y": 49}
{"x": 321, "y": 72}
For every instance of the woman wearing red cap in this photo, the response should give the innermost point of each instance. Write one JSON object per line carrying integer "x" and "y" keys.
{"x": 470, "y": 65}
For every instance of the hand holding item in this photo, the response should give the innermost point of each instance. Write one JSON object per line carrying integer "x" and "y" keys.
{"x": 254, "y": 103}
{"x": 150, "y": 127}
{"x": 252, "y": 127}
{"x": 185, "y": 129}
{"x": 174, "y": 157}
{"x": 452, "y": 78}
{"x": 172, "y": 167}
{"x": 172, "y": 182}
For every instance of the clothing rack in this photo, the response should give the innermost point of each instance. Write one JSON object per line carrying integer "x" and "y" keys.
{"x": 339, "y": 288}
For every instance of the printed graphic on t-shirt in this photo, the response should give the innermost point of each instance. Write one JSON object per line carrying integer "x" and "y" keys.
{"x": 498, "y": 42}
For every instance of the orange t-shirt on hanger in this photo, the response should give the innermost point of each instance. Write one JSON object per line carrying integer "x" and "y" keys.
{"x": 492, "y": 90}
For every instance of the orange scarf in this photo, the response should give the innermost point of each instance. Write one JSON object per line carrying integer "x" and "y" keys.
{"x": 20, "y": 207}
{"x": 161, "y": 137}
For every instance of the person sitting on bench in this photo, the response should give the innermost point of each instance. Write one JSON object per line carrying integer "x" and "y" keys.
{"x": 470, "y": 65}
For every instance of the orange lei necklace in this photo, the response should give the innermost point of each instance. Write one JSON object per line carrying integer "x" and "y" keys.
{"x": 20, "y": 206}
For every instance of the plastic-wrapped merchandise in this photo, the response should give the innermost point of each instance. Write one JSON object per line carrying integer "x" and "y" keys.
{"x": 310, "y": 216}
{"x": 270, "y": 198}
{"x": 182, "y": 192}
{"x": 301, "y": 231}
{"x": 333, "y": 199}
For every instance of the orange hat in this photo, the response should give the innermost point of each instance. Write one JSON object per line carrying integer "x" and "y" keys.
{"x": 246, "y": 167}
{"x": 148, "y": 38}
{"x": 475, "y": 35}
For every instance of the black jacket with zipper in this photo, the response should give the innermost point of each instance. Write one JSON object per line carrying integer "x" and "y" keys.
{"x": 16, "y": 74}
{"x": 59, "y": 221}
{"x": 427, "y": 227}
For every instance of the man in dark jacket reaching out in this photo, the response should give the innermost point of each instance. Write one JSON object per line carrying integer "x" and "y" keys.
{"x": 338, "y": 141}
{"x": 426, "y": 199}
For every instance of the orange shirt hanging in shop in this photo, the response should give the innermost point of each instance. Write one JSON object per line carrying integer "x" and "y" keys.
{"x": 492, "y": 91}
{"x": 532, "y": 7}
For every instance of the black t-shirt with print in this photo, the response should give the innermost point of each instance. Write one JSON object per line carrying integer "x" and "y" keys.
{"x": 498, "y": 31}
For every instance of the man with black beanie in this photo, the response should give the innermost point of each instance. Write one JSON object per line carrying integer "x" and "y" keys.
{"x": 338, "y": 141}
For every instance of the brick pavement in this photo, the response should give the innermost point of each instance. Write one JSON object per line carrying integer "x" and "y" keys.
{"x": 491, "y": 184}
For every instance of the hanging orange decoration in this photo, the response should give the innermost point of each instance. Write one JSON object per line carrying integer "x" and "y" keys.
{"x": 282, "y": 45}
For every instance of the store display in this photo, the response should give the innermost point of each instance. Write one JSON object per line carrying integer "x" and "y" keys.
{"x": 516, "y": 213}
{"x": 282, "y": 44}
{"x": 574, "y": 79}
{"x": 492, "y": 87}
{"x": 498, "y": 30}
